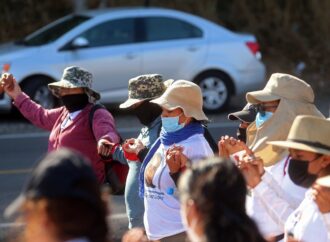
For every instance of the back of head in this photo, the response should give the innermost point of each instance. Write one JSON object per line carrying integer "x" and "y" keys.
{"x": 65, "y": 182}
{"x": 218, "y": 191}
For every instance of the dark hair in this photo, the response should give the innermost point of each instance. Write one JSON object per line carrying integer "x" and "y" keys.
{"x": 219, "y": 191}
{"x": 78, "y": 218}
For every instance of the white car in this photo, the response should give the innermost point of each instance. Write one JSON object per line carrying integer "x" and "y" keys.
{"x": 118, "y": 44}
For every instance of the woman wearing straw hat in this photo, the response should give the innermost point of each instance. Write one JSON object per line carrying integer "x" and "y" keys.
{"x": 69, "y": 125}
{"x": 283, "y": 98}
{"x": 310, "y": 147}
{"x": 182, "y": 131}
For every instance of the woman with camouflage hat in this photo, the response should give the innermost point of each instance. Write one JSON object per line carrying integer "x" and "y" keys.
{"x": 69, "y": 124}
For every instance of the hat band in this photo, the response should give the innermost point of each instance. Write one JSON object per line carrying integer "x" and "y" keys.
{"x": 311, "y": 143}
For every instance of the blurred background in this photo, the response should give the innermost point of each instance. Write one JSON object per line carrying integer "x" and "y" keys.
{"x": 294, "y": 36}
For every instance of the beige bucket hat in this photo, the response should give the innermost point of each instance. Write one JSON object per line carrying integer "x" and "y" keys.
{"x": 280, "y": 86}
{"x": 186, "y": 95}
{"x": 76, "y": 77}
{"x": 145, "y": 87}
{"x": 308, "y": 133}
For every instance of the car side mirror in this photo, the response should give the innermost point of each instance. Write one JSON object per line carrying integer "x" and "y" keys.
{"x": 79, "y": 42}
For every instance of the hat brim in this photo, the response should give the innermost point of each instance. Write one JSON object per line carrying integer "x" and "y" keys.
{"x": 244, "y": 116}
{"x": 14, "y": 207}
{"x": 131, "y": 101}
{"x": 200, "y": 116}
{"x": 324, "y": 181}
{"x": 299, "y": 146}
{"x": 65, "y": 84}
{"x": 261, "y": 96}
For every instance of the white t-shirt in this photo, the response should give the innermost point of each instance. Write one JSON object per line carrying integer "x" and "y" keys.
{"x": 162, "y": 207}
{"x": 274, "y": 199}
{"x": 306, "y": 223}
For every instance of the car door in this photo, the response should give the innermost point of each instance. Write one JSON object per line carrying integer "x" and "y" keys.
{"x": 112, "y": 55}
{"x": 171, "y": 46}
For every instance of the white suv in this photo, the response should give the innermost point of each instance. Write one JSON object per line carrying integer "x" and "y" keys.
{"x": 118, "y": 44}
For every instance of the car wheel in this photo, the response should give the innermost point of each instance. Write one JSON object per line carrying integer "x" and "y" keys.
{"x": 216, "y": 90}
{"x": 37, "y": 89}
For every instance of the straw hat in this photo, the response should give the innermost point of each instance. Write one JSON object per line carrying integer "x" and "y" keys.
{"x": 145, "y": 87}
{"x": 76, "y": 77}
{"x": 186, "y": 95}
{"x": 308, "y": 133}
{"x": 281, "y": 86}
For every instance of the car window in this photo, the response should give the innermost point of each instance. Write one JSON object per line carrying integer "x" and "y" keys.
{"x": 54, "y": 32}
{"x": 164, "y": 28}
{"x": 114, "y": 32}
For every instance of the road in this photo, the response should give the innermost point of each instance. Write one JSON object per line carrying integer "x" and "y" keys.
{"x": 20, "y": 151}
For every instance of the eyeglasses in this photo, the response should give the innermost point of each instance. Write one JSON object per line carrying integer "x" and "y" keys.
{"x": 262, "y": 108}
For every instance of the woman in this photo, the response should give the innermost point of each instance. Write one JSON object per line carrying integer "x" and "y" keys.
{"x": 69, "y": 125}
{"x": 141, "y": 90}
{"x": 210, "y": 214}
{"x": 308, "y": 146}
{"x": 283, "y": 98}
{"x": 181, "y": 129}
{"x": 62, "y": 202}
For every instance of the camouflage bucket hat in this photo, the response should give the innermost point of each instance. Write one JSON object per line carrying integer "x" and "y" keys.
{"x": 145, "y": 87}
{"x": 76, "y": 77}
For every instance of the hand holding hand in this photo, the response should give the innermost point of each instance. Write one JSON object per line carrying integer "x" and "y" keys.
{"x": 10, "y": 86}
{"x": 175, "y": 158}
{"x": 250, "y": 167}
{"x": 321, "y": 197}
{"x": 229, "y": 145}
{"x": 131, "y": 148}
{"x": 104, "y": 148}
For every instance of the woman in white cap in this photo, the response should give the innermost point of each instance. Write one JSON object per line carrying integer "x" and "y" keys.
{"x": 283, "y": 98}
{"x": 182, "y": 131}
{"x": 310, "y": 147}
{"x": 69, "y": 125}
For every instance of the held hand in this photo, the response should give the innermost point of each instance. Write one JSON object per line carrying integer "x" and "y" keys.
{"x": 250, "y": 170}
{"x": 321, "y": 197}
{"x": 229, "y": 146}
{"x": 135, "y": 235}
{"x": 104, "y": 148}
{"x": 175, "y": 158}
{"x": 10, "y": 86}
{"x": 133, "y": 146}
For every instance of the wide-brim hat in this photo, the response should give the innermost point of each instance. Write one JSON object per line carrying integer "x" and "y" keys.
{"x": 247, "y": 114}
{"x": 185, "y": 95}
{"x": 145, "y": 87}
{"x": 280, "y": 86}
{"x": 308, "y": 133}
{"x": 58, "y": 175}
{"x": 76, "y": 77}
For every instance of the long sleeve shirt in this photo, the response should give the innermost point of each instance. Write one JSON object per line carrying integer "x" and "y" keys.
{"x": 76, "y": 134}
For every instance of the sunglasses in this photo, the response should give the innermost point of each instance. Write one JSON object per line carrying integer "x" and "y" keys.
{"x": 262, "y": 108}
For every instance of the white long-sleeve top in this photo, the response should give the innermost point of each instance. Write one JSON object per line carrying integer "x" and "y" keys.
{"x": 307, "y": 223}
{"x": 274, "y": 199}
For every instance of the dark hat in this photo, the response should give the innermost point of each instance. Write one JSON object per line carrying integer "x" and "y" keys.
{"x": 247, "y": 115}
{"x": 57, "y": 176}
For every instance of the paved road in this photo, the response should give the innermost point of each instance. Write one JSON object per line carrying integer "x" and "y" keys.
{"x": 20, "y": 151}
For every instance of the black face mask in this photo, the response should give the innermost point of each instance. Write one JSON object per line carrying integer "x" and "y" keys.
{"x": 298, "y": 172}
{"x": 147, "y": 112}
{"x": 241, "y": 134}
{"x": 75, "y": 102}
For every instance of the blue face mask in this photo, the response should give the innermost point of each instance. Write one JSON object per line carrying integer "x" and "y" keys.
{"x": 260, "y": 119}
{"x": 171, "y": 124}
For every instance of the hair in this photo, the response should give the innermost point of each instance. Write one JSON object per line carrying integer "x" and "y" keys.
{"x": 219, "y": 191}
{"x": 76, "y": 217}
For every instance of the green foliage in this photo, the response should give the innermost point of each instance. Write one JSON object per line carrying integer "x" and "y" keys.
{"x": 289, "y": 31}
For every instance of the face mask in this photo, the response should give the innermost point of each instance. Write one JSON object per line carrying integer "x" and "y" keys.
{"x": 260, "y": 119}
{"x": 298, "y": 172}
{"x": 147, "y": 112}
{"x": 74, "y": 102}
{"x": 171, "y": 124}
{"x": 241, "y": 134}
